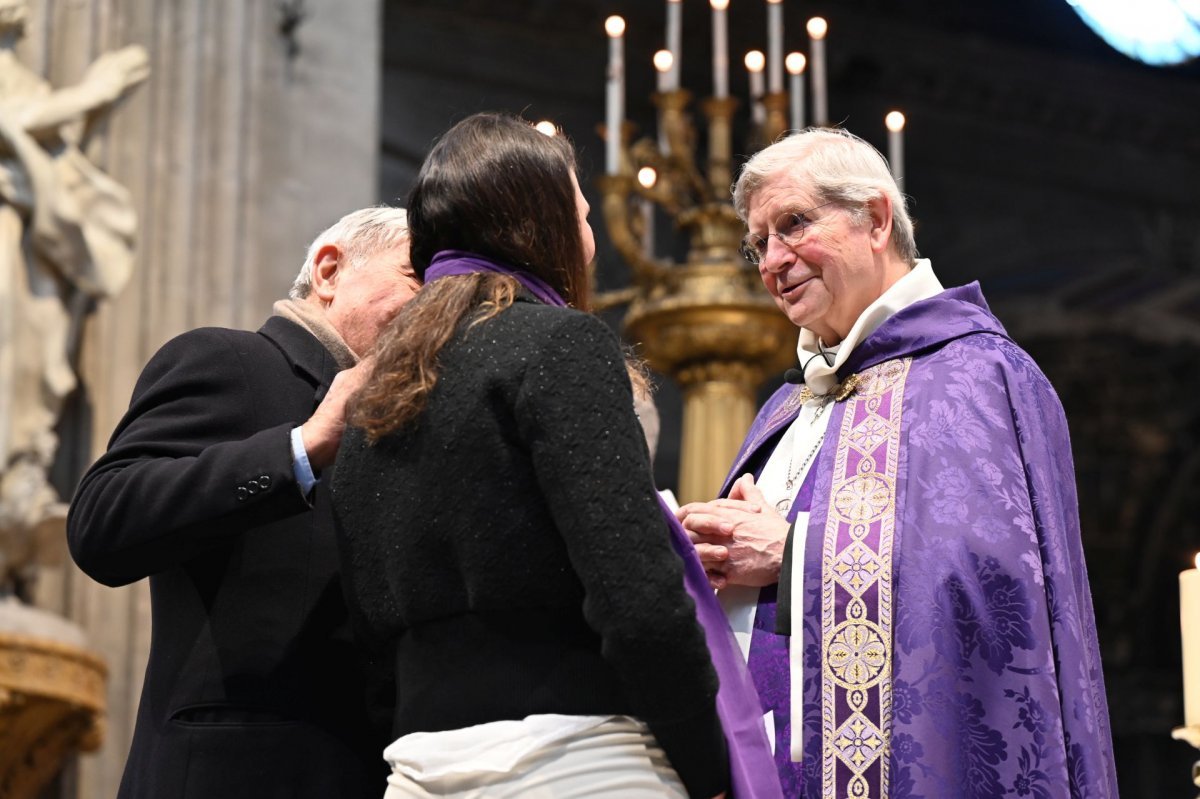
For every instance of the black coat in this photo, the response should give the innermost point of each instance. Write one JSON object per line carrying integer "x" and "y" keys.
{"x": 254, "y": 686}
{"x": 510, "y": 546}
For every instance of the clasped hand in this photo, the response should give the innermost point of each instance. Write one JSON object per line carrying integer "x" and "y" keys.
{"x": 739, "y": 539}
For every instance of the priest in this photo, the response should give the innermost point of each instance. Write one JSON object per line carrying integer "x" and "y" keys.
{"x": 897, "y": 544}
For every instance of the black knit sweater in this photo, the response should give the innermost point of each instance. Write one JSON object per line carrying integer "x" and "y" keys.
{"x": 508, "y": 543}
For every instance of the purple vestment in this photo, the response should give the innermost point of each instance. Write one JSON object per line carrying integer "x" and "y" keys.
{"x": 949, "y": 638}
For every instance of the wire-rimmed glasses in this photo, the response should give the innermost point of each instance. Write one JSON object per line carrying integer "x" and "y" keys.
{"x": 789, "y": 229}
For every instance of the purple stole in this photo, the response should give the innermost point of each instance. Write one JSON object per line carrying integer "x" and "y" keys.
{"x": 857, "y": 598}
{"x": 855, "y": 554}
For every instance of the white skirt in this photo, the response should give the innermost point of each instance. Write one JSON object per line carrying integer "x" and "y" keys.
{"x": 616, "y": 757}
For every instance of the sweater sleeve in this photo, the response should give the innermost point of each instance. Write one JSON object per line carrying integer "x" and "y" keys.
{"x": 575, "y": 412}
{"x": 186, "y": 467}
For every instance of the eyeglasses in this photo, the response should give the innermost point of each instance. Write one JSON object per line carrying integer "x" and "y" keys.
{"x": 789, "y": 229}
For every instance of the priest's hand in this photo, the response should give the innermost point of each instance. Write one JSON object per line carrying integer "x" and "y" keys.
{"x": 740, "y": 539}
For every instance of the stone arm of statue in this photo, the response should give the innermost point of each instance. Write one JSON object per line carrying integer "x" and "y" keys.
{"x": 104, "y": 82}
{"x": 202, "y": 456}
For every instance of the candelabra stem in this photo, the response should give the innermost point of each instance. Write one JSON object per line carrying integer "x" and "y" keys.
{"x": 616, "y": 191}
{"x": 776, "y": 104}
{"x": 719, "y": 111}
{"x": 718, "y": 409}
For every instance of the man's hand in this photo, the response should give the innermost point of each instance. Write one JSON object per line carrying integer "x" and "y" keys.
{"x": 322, "y": 433}
{"x": 740, "y": 540}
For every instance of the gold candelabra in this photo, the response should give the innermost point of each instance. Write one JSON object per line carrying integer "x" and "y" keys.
{"x": 707, "y": 322}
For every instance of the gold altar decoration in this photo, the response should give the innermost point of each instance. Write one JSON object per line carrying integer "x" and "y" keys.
{"x": 707, "y": 322}
{"x": 52, "y": 705}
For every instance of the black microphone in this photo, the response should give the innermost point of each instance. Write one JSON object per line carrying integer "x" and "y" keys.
{"x": 796, "y": 376}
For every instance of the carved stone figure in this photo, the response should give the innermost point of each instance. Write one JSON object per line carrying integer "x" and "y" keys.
{"x": 66, "y": 240}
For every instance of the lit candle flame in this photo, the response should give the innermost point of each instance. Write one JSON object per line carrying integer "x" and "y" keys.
{"x": 663, "y": 60}
{"x": 755, "y": 61}
{"x": 719, "y": 5}
{"x": 647, "y": 177}
{"x": 1198, "y": 560}
{"x": 614, "y": 26}
{"x": 818, "y": 27}
{"x": 547, "y": 127}
{"x": 894, "y": 121}
{"x": 795, "y": 63}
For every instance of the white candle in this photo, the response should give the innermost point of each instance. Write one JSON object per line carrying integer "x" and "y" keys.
{"x": 663, "y": 63}
{"x": 895, "y": 125}
{"x": 675, "y": 39}
{"x": 720, "y": 48}
{"x": 1189, "y": 619}
{"x": 754, "y": 66}
{"x": 817, "y": 28}
{"x": 795, "y": 67}
{"x": 647, "y": 228}
{"x": 615, "y": 107}
{"x": 775, "y": 45}
{"x": 647, "y": 176}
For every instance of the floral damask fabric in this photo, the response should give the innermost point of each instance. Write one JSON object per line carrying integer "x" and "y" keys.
{"x": 992, "y": 685}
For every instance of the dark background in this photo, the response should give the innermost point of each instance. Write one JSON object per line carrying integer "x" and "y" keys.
{"x": 1057, "y": 172}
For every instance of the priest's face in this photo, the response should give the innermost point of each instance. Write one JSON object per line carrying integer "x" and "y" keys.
{"x": 826, "y": 275}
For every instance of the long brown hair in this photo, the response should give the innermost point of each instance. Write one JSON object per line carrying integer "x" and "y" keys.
{"x": 495, "y": 186}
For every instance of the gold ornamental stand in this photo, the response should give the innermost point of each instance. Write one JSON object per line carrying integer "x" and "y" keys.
{"x": 706, "y": 323}
{"x": 52, "y": 701}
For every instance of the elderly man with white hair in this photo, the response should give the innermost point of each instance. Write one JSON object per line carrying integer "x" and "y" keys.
{"x": 897, "y": 544}
{"x": 212, "y": 487}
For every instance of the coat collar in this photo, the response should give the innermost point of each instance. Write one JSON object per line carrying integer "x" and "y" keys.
{"x": 308, "y": 357}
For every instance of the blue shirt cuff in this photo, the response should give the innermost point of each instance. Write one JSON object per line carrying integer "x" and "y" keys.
{"x": 300, "y": 465}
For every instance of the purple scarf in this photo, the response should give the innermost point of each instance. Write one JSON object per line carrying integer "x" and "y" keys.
{"x": 459, "y": 262}
{"x": 751, "y": 768}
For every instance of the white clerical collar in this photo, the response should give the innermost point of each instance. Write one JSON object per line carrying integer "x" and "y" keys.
{"x": 819, "y": 374}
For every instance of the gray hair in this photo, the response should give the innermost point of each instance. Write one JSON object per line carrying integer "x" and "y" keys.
{"x": 841, "y": 168}
{"x": 358, "y": 235}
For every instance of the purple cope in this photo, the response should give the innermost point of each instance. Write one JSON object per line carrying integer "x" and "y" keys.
{"x": 949, "y": 638}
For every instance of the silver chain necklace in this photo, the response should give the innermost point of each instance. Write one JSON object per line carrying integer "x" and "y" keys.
{"x": 784, "y": 505}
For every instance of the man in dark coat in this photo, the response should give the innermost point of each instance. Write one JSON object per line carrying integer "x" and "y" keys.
{"x": 212, "y": 487}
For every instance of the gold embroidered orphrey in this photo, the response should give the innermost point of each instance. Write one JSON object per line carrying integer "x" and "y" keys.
{"x": 856, "y": 588}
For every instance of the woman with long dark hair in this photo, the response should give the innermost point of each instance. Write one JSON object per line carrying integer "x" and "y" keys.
{"x": 499, "y": 522}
